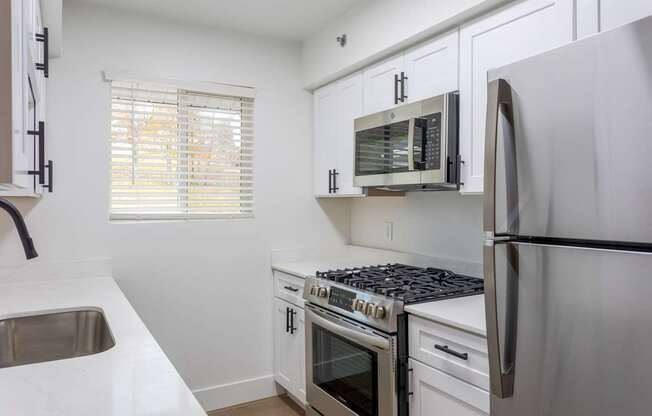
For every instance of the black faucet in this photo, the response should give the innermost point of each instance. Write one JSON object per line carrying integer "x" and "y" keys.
{"x": 28, "y": 244}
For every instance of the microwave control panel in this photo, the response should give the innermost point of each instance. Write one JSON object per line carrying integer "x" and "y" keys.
{"x": 432, "y": 147}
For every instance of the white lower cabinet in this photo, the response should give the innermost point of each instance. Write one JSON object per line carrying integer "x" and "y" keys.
{"x": 436, "y": 393}
{"x": 289, "y": 349}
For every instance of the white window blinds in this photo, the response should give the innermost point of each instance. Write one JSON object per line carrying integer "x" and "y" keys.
{"x": 179, "y": 154}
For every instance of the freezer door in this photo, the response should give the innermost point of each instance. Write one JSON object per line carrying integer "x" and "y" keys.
{"x": 569, "y": 141}
{"x": 569, "y": 330}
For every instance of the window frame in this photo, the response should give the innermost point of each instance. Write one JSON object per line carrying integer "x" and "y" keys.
{"x": 183, "y": 89}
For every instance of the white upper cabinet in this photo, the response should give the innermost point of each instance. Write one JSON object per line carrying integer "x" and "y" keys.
{"x": 509, "y": 34}
{"x": 349, "y": 107}
{"x": 336, "y": 106}
{"x": 432, "y": 68}
{"x": 425, "y": 71}
{"x": 324, "y": 139}
{"x": 381, "y": 91}
{"x": 23, "y": 104}
{"x": 614, "y": 13}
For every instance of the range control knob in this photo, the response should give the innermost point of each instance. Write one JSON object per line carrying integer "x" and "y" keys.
{"x": 379, "y": 312}
{"x": 369, "y": 309}
{"x": 322, "y": 292}
{"x": 360, "y": 305}
{"x": 313, "y": 290}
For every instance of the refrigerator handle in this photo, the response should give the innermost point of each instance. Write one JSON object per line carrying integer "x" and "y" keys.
{"x": 501, "y": 354}
{"x": 499, "y": 101}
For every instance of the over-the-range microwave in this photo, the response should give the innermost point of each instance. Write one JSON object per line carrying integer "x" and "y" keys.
{"x": 414, "y": 146}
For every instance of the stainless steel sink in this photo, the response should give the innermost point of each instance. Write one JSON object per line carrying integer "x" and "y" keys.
{"x": 53, "y": 336}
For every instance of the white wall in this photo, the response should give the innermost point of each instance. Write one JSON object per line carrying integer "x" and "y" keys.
{"x": 203, "y": 288}
{"x": 437, "y": 224}
{"x": 378, "y": 28}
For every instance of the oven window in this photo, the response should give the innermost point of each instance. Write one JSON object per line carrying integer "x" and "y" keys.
{"x": 346, "y": 371}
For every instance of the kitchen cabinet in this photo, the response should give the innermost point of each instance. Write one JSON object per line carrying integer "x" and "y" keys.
{"x": 335, "y": 108}
{"x": 614, "y": 13}
{"x": 432, "y": 68}
{"x": 23, "y": 72}
{"x": 381, "y": 89}
{"x": 437, "y": 393}
{"x": 324, "y": 139}
{"x": 507, "y": 35}
{"x": 425, "y": 71}
{"x": 289, "y": 348}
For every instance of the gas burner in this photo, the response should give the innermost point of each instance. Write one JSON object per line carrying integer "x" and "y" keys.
{"x": 405, "y": 283}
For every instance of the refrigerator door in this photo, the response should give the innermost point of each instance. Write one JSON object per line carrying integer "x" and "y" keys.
{"x": 569, "y": 141}
{"x": 569, "y": 330}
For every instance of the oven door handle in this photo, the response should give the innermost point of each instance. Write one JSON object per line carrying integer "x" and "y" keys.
{"x": 352, "y": 334}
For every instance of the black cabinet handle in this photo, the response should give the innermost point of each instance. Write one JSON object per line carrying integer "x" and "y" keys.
{"x": 458, "y": 173}
{"x": 396, "y": 89}
{"x": 330, "y": 181}
{"x": 292, "y": 327}
{"x": 444, "y": 348}
{"x": 403, "y": 79}
{"x": 335, "y": 188}
{"x": 42, "y": 166}
{"x": 287, "y": 320}
{"x": 40, "y": 133}
{"x": 291, "y": 289}
{"x": 45, "y": 65}
{"x": 49, "y": 166}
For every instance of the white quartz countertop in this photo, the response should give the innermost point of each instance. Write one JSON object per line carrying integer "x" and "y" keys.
{"x": 465, "y": 313}
{"x": 134, "y": 378}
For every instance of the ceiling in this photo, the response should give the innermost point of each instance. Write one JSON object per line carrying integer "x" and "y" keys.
{"x": 285, "y": 19}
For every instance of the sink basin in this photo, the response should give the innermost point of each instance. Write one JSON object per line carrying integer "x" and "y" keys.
{"x": 53, "y": 336}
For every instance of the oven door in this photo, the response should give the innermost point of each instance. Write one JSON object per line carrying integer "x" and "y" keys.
{"x": 350, "y": 367}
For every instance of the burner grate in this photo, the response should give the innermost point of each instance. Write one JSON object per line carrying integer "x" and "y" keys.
{"x": 409, "y": 284}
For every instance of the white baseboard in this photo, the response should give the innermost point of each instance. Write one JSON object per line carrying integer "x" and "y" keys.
{"x": 243, "y": 391}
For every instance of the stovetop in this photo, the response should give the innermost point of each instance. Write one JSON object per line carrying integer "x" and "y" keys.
{"x": 408, "y": 284}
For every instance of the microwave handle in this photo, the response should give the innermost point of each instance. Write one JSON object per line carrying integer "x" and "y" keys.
{"x": 352, "y": 334}
{"x": 411, "y": 128}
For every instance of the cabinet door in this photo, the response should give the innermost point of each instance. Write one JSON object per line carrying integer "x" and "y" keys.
{"x": 614, "y": 13}
{"x": 436, "y": 393}
{"x": 299, "y": 348}
{"x": 284, "y": 362}
{"x": 432, "y": 68}
{"x": 510, "y": 34}
{"x": 349, "y": 107}
{"x": 324, "y": 137}
{"x": 23, "y": 103}
{"x": 379, "y": 85}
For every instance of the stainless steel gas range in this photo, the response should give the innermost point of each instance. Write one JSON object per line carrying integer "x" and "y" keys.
{"x": 356, "y": 335}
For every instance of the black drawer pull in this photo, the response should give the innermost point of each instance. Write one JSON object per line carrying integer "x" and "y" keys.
{"x": 291, "y": 289}
{"x": 444, "y": 348}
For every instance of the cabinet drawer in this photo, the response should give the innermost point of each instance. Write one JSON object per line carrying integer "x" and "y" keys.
{"x": 289, "y": 288}
{"x": 437, "y": 393}
{"x": 450, "y": 350}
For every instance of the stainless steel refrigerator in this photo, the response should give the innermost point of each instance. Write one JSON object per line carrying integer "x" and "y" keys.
{"x": 568, "y": 223}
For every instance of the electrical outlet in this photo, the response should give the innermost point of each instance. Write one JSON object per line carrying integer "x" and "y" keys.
{"x": 388, "y": 231}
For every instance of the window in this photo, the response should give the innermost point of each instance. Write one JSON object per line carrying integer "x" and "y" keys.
{"x": 180, "y": 154}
